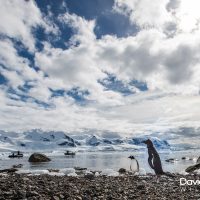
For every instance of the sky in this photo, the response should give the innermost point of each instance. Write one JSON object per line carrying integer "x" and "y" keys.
{"x": 120, "y": 66}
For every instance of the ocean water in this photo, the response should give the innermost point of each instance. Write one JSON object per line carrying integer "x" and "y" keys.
{"x": 106, "y": 160}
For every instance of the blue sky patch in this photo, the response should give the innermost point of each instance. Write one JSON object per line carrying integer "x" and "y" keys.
{"x": 2, "y": 80}
{"x": 76, "y": 93}
{"x": 112, "y": 83}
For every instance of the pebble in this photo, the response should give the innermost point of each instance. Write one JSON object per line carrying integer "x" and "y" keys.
{"x": 46, "y": 187}
{"x": 56, "y": 198}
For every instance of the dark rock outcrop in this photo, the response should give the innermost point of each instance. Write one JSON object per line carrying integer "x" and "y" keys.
{"x": 193, "y": 168}
{"x": 171, "y": 160}
{"x": 11, "y": 170}
{"x": 93, "y": 141}
{"x": 67, "y": 144}
{"x": 122, "y": 171}
{"x": 18, "y": 166}
{"x": 80, "y": 168}
{"x": 37, "y": 157}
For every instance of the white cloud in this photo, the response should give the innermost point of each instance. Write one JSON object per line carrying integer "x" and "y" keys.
{"x": 164, "y": 63}
{"x": 84, "y": 29}
{"x": 145, "y": 13}
{"x": 143, "y": 113}
{"x": 188, "y": 15}
{"x": 171, "y": 15}
{"x": 13, "y": 78}
{"x": 40, "y": 92}
{"x": 18, "y": 18}
{"x": 9, "y": 57}
{"x": 16, "y": 68}
{"x": 168, "y": 63}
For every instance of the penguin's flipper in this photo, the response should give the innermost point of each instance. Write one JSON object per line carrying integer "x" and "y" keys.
{"x": 138, "y": 168}
{"x": 150, "y": 162}
{"x": 131, "y": 166}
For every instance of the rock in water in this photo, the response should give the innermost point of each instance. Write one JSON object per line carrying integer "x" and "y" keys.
{"x": 37, "y": 157}
{"x": 122, "y": 171}
{"x": 80, "y": 168}
{"x": 11, "y": 170}
{"x": 17, "y": 166}
{"x": 193, "y": 168}
{"x": 170, "y": 160}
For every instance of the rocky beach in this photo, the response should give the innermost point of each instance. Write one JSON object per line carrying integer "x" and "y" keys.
{"x": 46, "y": 187}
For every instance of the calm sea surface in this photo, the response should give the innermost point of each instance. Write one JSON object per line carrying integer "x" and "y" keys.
{"x": 106, "y": 160}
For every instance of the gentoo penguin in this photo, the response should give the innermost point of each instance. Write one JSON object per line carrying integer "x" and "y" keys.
{"x": 133, "y": 158}
{"x": 154, "y": 158}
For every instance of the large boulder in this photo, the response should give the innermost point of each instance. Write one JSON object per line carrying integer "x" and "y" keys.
{"x": 37, "y": 157}
{"x": 122, "y": 171}
{"x": 193, "y": 168}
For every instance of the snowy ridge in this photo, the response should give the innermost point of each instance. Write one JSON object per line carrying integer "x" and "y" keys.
{"x": 55, "y": 140}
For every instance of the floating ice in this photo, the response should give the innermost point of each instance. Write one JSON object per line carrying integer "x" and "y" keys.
{"x": 195, "y": 159}
{"x": 183, "y": 172}
{"x": 97, "y": 174}
{"x": 56, "y": 174}
{"x": 109, "y": 172}
{"x": 142, "y": 171}
{"x": 72, "y": 174}
{"x": 34, "y": 172}
{"x": 88, "y": 172}
{"x": 39, "y": 172}
{"x": 67, "y": 171}
{"x": 24, "y": 171}
{"x": 44, "y": 171}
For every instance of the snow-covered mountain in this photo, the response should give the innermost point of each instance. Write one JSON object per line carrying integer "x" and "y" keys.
{"x": 161, "y": 144}
{"x": 55, "y": 140}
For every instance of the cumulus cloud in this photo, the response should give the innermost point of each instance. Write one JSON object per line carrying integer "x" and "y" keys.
{"x": 163, "y": 54}
{"x": 163, "y": 63}
{"x": 78, "y": 65}
{"x": 83, "y": 29}
{"x": 177, "y": 15}
{"x": 18, "y": 18}
{"x": 144, "y": 13}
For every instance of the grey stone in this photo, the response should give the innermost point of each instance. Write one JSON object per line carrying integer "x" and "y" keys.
{"x": 37, "y": 157}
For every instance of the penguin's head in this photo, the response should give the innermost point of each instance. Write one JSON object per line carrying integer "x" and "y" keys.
{"x": 148, "y": 142}
{"x": 131, "y": 157}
